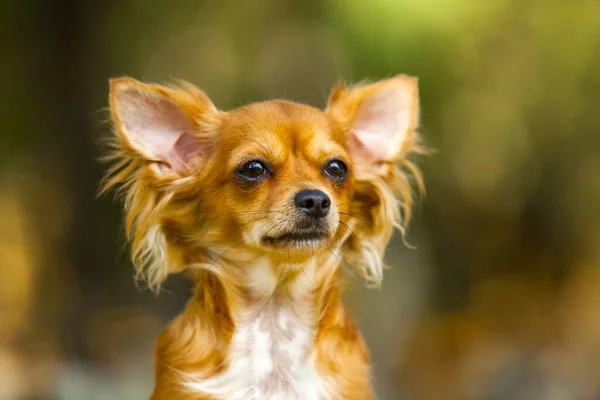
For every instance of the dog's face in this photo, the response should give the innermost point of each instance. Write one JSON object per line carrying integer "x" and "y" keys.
{"x": 283, "y": 177}
{"x": 275, "y": 178}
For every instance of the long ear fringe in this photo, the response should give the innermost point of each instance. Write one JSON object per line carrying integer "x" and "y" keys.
{"x": 386, "y": 200}
{"x": 146, "y": 195}
{"x": 148, "y": 244}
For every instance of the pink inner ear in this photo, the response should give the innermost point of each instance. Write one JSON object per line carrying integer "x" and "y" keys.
{"x": 158, "y": 129}
{"x": 185, "y": 149}
{"x": 382, "y": 122}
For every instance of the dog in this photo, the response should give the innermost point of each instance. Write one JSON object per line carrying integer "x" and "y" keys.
{"x": 263, "y": 205}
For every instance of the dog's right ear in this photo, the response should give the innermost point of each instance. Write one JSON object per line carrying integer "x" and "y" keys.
{"x": 162, "y": 134}
{"x": 161, "y": 126}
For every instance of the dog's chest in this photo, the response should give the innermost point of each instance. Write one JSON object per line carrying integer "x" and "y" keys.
{"x": 269, "y": 360}
{"x": 274, "y": 346}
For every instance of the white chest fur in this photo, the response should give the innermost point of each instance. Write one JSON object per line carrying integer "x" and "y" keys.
{"x": 269, "y": 360}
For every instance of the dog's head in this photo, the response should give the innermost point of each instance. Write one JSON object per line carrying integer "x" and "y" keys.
{"x": 275, "y": 179}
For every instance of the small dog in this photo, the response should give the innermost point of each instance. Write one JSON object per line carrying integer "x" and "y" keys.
{"x": 263, "y": 205}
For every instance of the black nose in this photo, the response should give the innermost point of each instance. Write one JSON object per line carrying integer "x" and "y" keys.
{"x": 313, "y": 203}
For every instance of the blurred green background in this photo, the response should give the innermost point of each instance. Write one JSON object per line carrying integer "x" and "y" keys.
{"x": 500, "y": 300}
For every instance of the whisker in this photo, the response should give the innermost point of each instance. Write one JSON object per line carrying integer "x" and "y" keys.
{"x": 345, "y": 225}
{"x": 354, "y": 216}
{"x": 254, "y": 220}
{"x": 235, "y": 243}
{"x": 307, "y": 277}
{"x": 245, "y": 213}
{"x": 279, "y": 277}
{"x": 270, "y": 229}
{"x": 333, "y": 251}
{"x": 242, "y": 240}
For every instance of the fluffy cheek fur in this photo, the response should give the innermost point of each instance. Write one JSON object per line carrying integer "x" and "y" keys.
{"x": 374, "y": 213}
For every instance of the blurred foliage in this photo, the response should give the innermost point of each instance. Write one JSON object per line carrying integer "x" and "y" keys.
{"x": 498, "y": 301}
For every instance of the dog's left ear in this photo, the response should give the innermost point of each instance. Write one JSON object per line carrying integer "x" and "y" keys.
{"x": 379, "y": 118}
{"x": 380, "y": 121}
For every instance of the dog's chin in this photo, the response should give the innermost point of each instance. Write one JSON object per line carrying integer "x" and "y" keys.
{"x": 300, "y": 241}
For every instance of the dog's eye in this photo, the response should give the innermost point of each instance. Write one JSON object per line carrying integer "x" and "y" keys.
{"x": 336, "y": 169}
{"x": 252, "y": 171}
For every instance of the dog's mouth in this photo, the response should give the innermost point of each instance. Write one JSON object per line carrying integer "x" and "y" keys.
{"x": 300, "y": 238}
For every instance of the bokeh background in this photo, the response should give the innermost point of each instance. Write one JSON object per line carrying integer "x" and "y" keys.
{"x": 499, "y": 300}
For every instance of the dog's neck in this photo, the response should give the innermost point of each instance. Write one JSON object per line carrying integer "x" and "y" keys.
{"x": 239, "y": 288}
